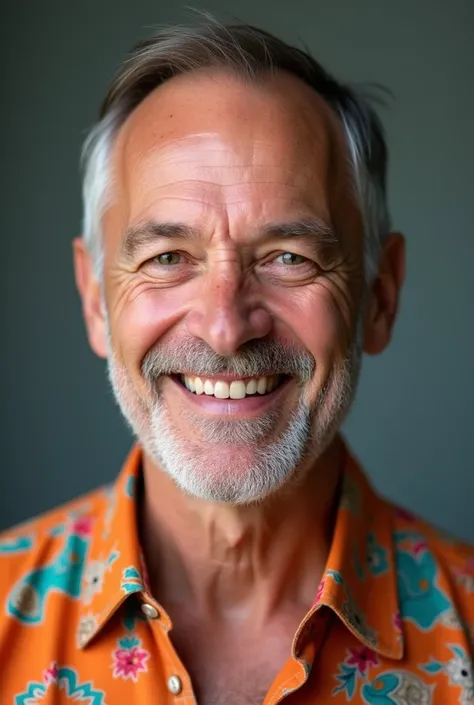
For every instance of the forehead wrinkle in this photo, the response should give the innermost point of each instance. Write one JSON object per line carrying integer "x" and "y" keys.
{"x": 308, "y": 140}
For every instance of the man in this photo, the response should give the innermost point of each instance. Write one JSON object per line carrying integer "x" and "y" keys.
{"x": 237, "y": 260}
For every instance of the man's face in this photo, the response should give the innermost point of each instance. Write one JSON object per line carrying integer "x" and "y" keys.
{"x": 233, "y": 262}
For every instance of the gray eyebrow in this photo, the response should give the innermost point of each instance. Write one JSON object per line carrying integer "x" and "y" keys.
{"x": 307, "y": 228}
{"x": 140, "y": 235}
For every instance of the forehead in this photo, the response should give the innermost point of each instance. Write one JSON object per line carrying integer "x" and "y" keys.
{"x": 216, "y": 139}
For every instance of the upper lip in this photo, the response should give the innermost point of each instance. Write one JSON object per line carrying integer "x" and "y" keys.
{"x": 228, "y": 377}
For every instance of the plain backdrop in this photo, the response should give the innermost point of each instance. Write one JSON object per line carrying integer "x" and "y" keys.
{"x": 412, "y": 424}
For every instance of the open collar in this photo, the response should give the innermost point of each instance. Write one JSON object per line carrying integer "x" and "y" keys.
{"x": 359, "y": 582}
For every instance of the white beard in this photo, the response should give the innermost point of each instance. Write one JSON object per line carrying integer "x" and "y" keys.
{"x": 237, "y": 461}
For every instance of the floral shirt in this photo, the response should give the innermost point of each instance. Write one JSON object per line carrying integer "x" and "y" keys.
{"x": 391, "y": 623}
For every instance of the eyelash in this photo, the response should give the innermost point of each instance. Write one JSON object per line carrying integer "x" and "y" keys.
{"x": 154, "y": 260}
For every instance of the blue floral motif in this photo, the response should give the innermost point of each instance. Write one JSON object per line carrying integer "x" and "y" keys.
{"x": 396, "y": 688}
{"x": 336, "y": 576}
{"x": 34, "y": 692}
{"x": 421, "y": 600}
{"x": 19, "y": 544}
{"x": 376, "y": 556}
{"x": 27, "y": 600}
{"x": 67, "y": 681}
{"x": 347, "y": 677}
{"x": 128, "y": 642}
{"x": 131, "y": 580}
{"x": 432, "y": 666}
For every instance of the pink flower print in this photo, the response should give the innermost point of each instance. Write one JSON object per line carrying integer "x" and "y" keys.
{"x": 362, "y": 659}
{"x": 320, "y": 591}
{"x": 82, "y": 526}
{"x": 420, "y": 546}
{"x": 50, "y": 674}
{"x": 397, "y": 621}
{"x": 129, "y": 660}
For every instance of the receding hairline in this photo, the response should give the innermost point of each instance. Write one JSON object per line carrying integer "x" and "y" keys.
{"x": 251, "y": 53}
{"x": 279, "y": 83}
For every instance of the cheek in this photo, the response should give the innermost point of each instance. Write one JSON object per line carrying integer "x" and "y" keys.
{"x": 315, "y": 319}
{"x": 144, "y": 319}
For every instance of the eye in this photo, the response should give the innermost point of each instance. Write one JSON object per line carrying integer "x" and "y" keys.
{"x": 290, "y": 258}
{"x": 168, "y": 258}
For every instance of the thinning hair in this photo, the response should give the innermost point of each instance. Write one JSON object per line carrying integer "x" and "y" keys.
{"x": 250, "y": 54}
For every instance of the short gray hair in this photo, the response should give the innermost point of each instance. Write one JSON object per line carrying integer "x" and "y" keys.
{"x": 250, "y": 53}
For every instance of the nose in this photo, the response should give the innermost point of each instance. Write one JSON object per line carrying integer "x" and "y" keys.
{"x": 228, "y": 313}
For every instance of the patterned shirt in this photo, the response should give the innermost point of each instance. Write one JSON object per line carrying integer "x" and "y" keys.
{"x": 391, "y": 623}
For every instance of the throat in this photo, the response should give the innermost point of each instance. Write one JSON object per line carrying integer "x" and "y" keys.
{"x": 211, "y": 660}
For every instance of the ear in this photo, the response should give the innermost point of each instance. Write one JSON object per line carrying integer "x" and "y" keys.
{"x": 93, "y": 308}
{"x": 384, "y": 297}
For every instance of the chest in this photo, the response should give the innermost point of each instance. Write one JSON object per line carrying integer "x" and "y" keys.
{"x": 228, "y": 671}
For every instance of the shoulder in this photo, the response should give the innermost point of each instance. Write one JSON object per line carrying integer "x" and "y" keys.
{"x": 452, "y": 551}
{"x": 27, "y": 547}
{"x": 429, "y": 559}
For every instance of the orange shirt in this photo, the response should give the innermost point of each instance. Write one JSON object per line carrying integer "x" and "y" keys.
{"x": 390, "y": 624}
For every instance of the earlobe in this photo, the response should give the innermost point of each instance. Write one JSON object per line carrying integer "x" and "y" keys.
{"x": 384, "y": 297}
{"x": 91, "y": 296}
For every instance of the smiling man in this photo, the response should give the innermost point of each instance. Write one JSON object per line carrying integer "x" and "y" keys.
{"x": 237, "y": 260}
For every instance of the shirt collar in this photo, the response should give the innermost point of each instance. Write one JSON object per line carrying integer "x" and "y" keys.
{"x": 114, "y": 568}
{"x": 359, "y": 583}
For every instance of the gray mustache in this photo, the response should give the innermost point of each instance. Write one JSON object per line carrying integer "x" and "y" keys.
{"x": 254, "y": 359}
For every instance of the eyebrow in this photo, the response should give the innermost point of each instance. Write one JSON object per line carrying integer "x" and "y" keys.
{"x": 311, "y": 228}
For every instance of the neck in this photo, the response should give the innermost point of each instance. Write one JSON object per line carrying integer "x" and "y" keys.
{"x": 240, "y": 562}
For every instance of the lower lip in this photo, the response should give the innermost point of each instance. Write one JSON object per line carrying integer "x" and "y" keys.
{"x": 238, "y": 408}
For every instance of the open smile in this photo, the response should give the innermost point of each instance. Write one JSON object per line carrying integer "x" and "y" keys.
{"x": 226, "y": 395}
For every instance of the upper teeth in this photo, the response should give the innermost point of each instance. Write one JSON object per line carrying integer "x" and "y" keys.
{"x": 237, "y": 389}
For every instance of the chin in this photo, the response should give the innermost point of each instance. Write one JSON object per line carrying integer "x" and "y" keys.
{"x": 243, "y": 471}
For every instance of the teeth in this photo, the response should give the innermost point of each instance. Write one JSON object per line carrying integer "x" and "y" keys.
{"x": 262, "y": 385}
{"x": 221, "y": 390}
{"x": 198, "y": 386}
{"x": 189, "y": 383}
{"x": 251, "y": 387}
{"x": 237, "y": 389}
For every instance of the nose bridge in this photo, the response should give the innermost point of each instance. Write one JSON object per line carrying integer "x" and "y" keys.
{"x": 227, "y": 307}
{"x": 225, "y": 283}
{"x": 228, "y": 314}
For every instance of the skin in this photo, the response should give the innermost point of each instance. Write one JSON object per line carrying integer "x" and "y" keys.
{"x": 227, "y": 158}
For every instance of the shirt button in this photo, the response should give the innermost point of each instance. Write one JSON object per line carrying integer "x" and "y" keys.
{"x": 174, "y": 685}
{"x": 149, "y": 611}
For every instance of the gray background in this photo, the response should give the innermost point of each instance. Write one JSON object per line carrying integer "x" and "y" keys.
{"x": 412, "y": 422}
